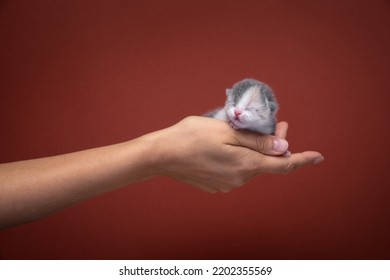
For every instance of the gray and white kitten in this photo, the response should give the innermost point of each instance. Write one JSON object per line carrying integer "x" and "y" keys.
{"x": 251, "y": 105}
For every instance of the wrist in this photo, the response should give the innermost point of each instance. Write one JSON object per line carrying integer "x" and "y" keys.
{"x": 152, "y": 155}
{"x": 166, "y": 150}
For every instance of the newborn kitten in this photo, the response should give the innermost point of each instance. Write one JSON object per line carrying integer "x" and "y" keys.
{"x": 251, "y": 105}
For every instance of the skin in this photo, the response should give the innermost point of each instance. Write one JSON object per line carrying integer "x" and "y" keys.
{"x": 203, "y": 152}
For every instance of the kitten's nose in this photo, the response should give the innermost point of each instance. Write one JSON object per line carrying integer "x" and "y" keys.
{"x": 237, "y": 112}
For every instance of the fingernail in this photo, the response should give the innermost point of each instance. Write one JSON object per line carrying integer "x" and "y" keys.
{"x": 280, "y": 145}
{"x": 318, "y": 160}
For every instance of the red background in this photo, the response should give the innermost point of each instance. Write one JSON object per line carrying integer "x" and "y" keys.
{"x": 82, "y": 74}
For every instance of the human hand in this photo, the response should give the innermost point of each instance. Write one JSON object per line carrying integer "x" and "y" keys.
{"x": 203, "y": 152}
{"x": 210, "y": 155}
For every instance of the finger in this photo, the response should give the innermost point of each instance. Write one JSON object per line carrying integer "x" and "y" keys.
{"x": 265, "y": 144}
{"x": 284, "y": 165}
{"x": 281, "y": 130}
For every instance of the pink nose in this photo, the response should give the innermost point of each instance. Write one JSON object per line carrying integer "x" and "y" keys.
{"x": 237, "y": 112}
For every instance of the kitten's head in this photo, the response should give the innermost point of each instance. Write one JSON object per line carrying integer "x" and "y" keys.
{"x": 251, "y": 104}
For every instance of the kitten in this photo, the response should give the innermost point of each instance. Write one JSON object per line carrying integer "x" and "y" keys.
{"x": 251, "y": 105}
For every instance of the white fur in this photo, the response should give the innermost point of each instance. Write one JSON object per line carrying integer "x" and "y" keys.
{"x": 247, "y": 97}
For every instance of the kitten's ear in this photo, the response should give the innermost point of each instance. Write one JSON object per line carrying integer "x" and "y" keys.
{"x": 229, "y": 91}
{"x": 273, "y": 106}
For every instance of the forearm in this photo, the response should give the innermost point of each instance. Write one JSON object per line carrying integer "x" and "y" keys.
{"x": 35, "y": 188}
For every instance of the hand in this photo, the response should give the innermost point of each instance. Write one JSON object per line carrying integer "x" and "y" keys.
{"x": 210, "y": 155}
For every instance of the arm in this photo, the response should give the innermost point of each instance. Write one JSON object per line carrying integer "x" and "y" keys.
{"x": 35, "y": 188}
{"x": 200, "y": 151}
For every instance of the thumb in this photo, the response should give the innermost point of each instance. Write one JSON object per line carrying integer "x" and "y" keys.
{"x": 265, "y": 144}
